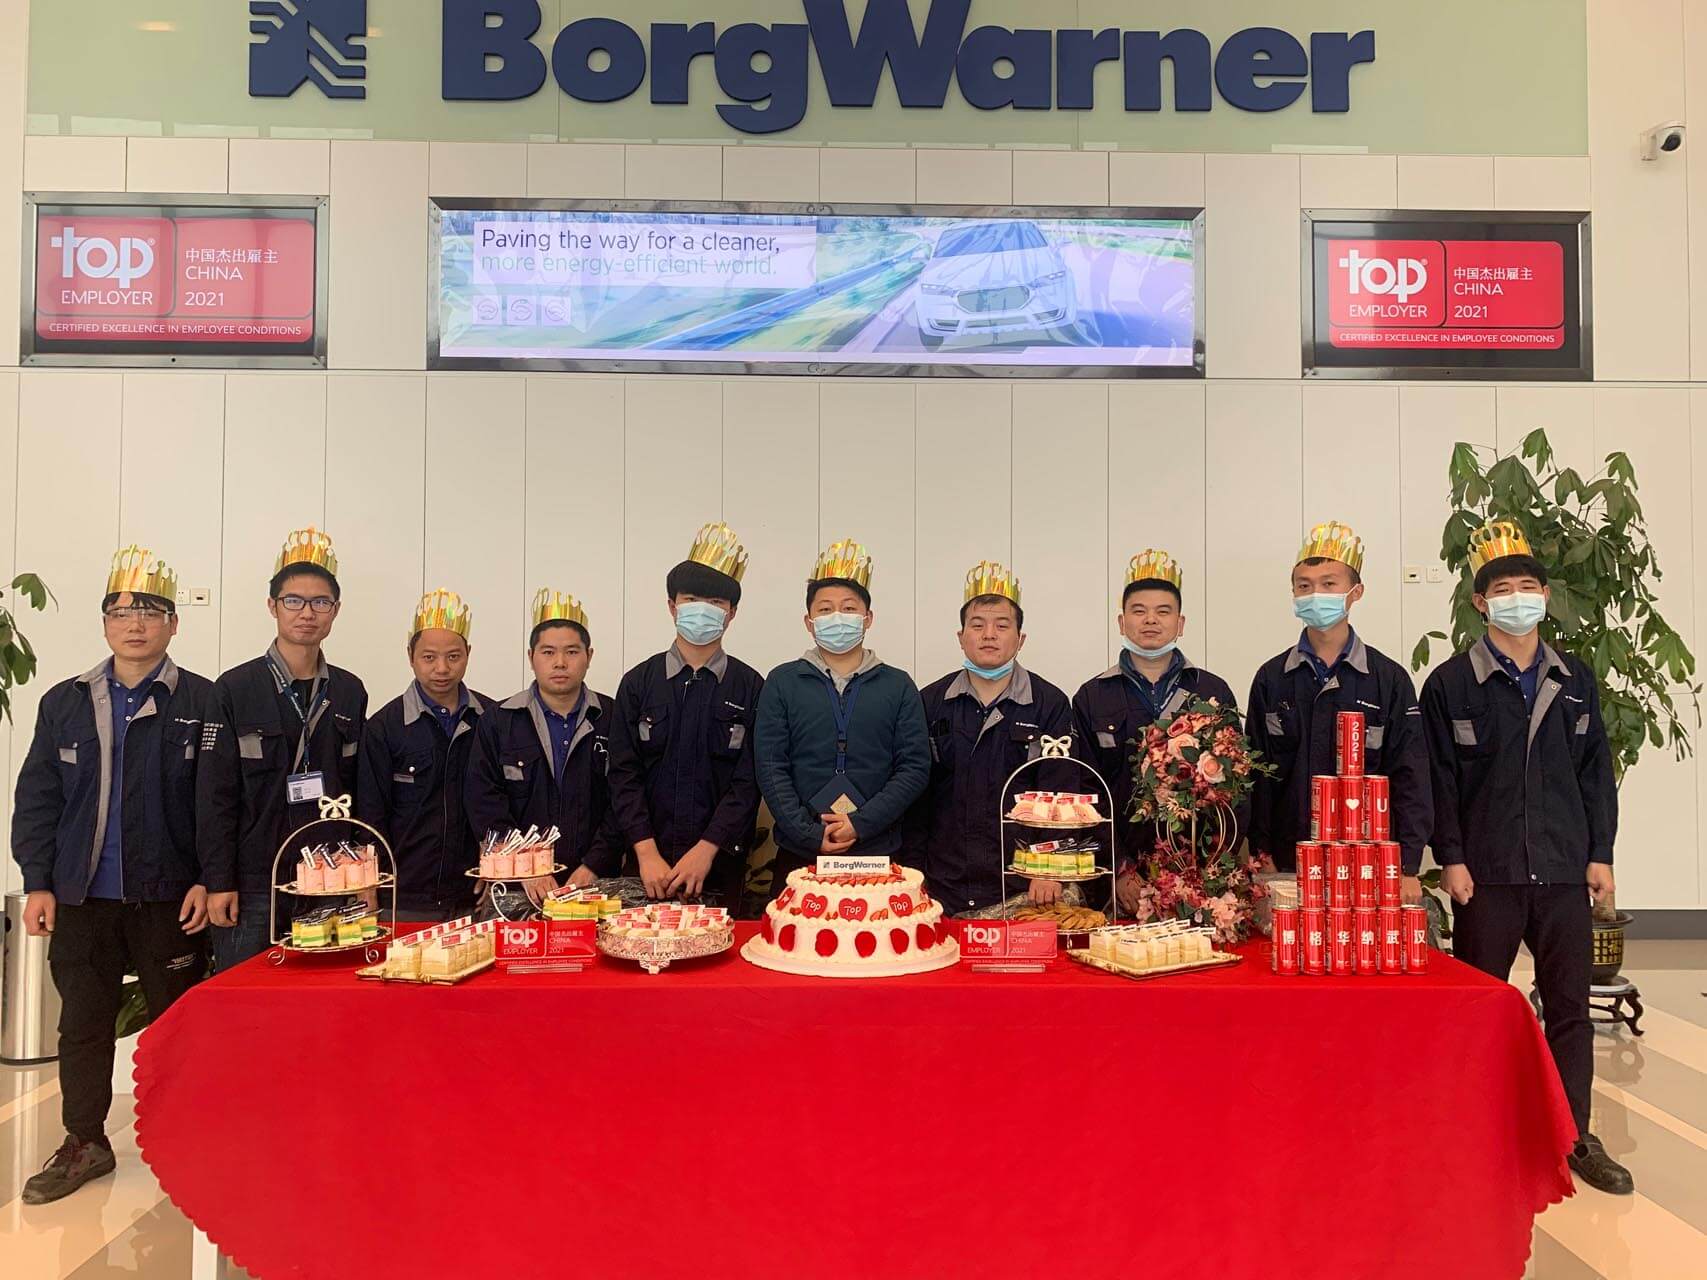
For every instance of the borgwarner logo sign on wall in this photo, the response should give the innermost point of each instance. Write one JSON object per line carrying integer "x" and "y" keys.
{"x": 489, "y": 56}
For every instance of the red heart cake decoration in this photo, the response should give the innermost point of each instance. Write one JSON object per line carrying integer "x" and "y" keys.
{"x": 865, "y": 943}
{"x": 785, "y": 937}
{"x": 898, "y": 940}
{"x": 827, "y": 942}
{"x": 851, "y": 909}
{"x": 785, "y": 897}
{"x": 901, "y": 904}
{"x": 813, "y": 905}
{"x": 927, "y": 937}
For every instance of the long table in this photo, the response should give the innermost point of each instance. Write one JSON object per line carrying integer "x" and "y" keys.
{"x": 719, "y": 1120}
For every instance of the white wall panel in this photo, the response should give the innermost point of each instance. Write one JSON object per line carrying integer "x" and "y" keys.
{"x": 275, "y": 481}
{"x": 1698, "y": 481}
{"x": 477, "y": 168}
{"x": 1566, "y": 413}
{"x": 770, "y": 498}
{"x": 177, "y": 165}
{"x": 1658, "y": 864}
{"x": 74, "y": 164}
{"x": 170, "y": 478}
{"x": 575, "y": 469}
{"x": 591, "y": 170}
{"x": 476, "y": 520}
{"x": 1348, "y": 181}
{"x": 965, "y": 176}
{"x": 1251, "y": 311}
{"x": 1156, "y": 498}
{"x": 869, "y": 488}
{"x": 1695, "y": 164}
{"x": 672, "y": 478}
{"x": 1255, "y": 499}
{"x": 761, "y": 171}
{"x": 1541, "y": 182}
{"x": 1060, "y": 177}
{"x": 1060, "y": 528}
{"x": 674, "y": 173}
{"x": 876, "y": 175}
{"x": 379, "y": 255}
{"x": 1431, "y": 421}
{"x": 280, "y": 166}
{"x": 1446, "y": 182}
{"x": 14, "y": 59}
{"x": 1155, "y": 178}
{"x": 375, "y": 462}
{"x": 965, "y": 507}
{"x": 9, "y": 878}
{"x": 1351, "y": 471}
{"x": 1641, "y": 222}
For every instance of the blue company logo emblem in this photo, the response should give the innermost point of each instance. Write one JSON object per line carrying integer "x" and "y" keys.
{"x": 307, "y": 40}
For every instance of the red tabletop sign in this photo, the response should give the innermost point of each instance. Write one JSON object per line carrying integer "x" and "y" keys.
{"x": 1503, "y": 295}
{"x": 530, "y": 940}
{"x": 125, "y": 279}
{"x": 1007, "y": 940}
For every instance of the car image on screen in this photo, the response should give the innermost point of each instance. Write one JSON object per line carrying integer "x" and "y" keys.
{"x": 995, "y": 277}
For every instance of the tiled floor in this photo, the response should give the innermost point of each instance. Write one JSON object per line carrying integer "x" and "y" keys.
{"x": 1650, "y": 1106}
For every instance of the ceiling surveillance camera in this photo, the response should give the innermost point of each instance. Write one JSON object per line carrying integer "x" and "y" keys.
{"x": 1662, "y": 139}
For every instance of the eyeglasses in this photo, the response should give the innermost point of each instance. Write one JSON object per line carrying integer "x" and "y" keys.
{"x": 124, "y": 613}
{"x": 296, "y": 604}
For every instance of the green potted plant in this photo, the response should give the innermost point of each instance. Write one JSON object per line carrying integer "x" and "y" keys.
{"x": 1592, "y": 536}
{"x": 17, "y": 657}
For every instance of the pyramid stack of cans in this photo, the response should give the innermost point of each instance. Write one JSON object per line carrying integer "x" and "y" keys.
{"x": 1348, "y": 916}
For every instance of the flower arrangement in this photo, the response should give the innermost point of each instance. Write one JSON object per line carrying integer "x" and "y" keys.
{"x": 1190, "y": 772}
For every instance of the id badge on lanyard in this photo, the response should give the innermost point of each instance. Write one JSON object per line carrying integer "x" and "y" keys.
{"x": 302, "y": 784}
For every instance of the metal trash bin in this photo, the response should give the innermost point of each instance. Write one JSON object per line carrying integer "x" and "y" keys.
{"x": 29, "y": 1003}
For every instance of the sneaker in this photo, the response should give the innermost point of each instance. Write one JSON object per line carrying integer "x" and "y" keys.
{"x": 1589, "y": 1161}
{"x": 75, "y": 1163}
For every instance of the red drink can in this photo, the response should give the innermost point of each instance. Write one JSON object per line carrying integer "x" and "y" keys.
{"x": 1350, "y": 743}
{"x": 1391, "y": 890}
{"x": 1287, "y": 925}
{"x": 1377, "y": 807}
{"x": 1389, "y": 921}
{"x": 1312, "y": 875}
{"x": 1366, "y": 892}
{"x": 1324, "y": 808}
{"x": 1367, "y": 939}
{"x": 1341, "y": 947}
{"x": 1342, "y": 872}
{"x": 1313, "y": 957}
{"x": 1351, "y": 808}
{"x": 1414, "y": 926}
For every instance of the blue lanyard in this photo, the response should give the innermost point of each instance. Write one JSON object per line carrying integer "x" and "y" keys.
{"x": 842, "y": 710}
{"x": 309, "y": 718}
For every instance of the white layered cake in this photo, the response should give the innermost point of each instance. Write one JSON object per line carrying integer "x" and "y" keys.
{"x": 853, "y": 926}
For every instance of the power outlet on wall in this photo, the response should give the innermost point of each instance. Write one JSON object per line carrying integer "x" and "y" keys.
{"x": 1413, "y": 573}
{"x": 200, "y": 595}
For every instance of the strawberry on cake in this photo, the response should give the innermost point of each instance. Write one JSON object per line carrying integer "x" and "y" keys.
{"x": 853, "y": 926}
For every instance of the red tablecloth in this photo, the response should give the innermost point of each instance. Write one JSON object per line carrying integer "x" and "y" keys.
{"x": 720, "y": 1120}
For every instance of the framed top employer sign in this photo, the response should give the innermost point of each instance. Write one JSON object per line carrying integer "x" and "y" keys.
{"x": 174, "y": 280}
{"x": 1439, "y": 295}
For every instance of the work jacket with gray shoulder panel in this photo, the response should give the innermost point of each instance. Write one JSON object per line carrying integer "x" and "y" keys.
{"x": 59, "y": 820}
{"x": 1522, "y": 795}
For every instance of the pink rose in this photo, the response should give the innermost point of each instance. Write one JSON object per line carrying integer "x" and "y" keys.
{"x": 1210, "y": 769}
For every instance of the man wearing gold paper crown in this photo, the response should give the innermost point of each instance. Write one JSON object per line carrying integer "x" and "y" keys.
{"x": 842, "y": 745}
{"x": 985, "y": 720}
{"x": 1296, "y": 699}
{"x": 287, "y": 734}
{"x": 683, "y": 789}
{"x": 1525, "y": 811}
{"x": 1151, "y": 681}
{"x": 104, "y": 831}
{"x": 540, "y": 758}
{"x": 414, "y": 765}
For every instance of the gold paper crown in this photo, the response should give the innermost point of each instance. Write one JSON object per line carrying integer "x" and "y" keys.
{"x": 844, "y": 559}
{"x": 716, "y": 547}
{"x": 442, "y": 610}
{"x": 1495, "y": 539}
{"x": 136, "y": 570}
{"x": 549, "y": 605}
{"x": 1333, "y": 541}
{"x": 309, "y": 546}
{"x": 1151, "y": 563}
{"x": 987, "y": 578}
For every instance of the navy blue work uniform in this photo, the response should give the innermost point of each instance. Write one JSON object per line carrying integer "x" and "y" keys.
{"x": 1292, "y": 721}
{"x": 1524, "y": 799}
{"x": 953, "y": 831}
{"x": 681, "y": 762}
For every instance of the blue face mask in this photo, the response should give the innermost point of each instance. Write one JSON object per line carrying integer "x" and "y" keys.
{"x": 1320, "y": 611}
{"x": 1138, "y": 650}
{"x": 838, "y": 632}
{"x": 700, "y": 623}
{"x": 1519, "y": 613}
{"x": 989, "y": 673}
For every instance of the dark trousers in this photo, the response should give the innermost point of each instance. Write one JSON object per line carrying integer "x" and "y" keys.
{"x": 248, "y": 937}
{"x": 93, "y": 945}
{"x": 1553, "y": 921}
